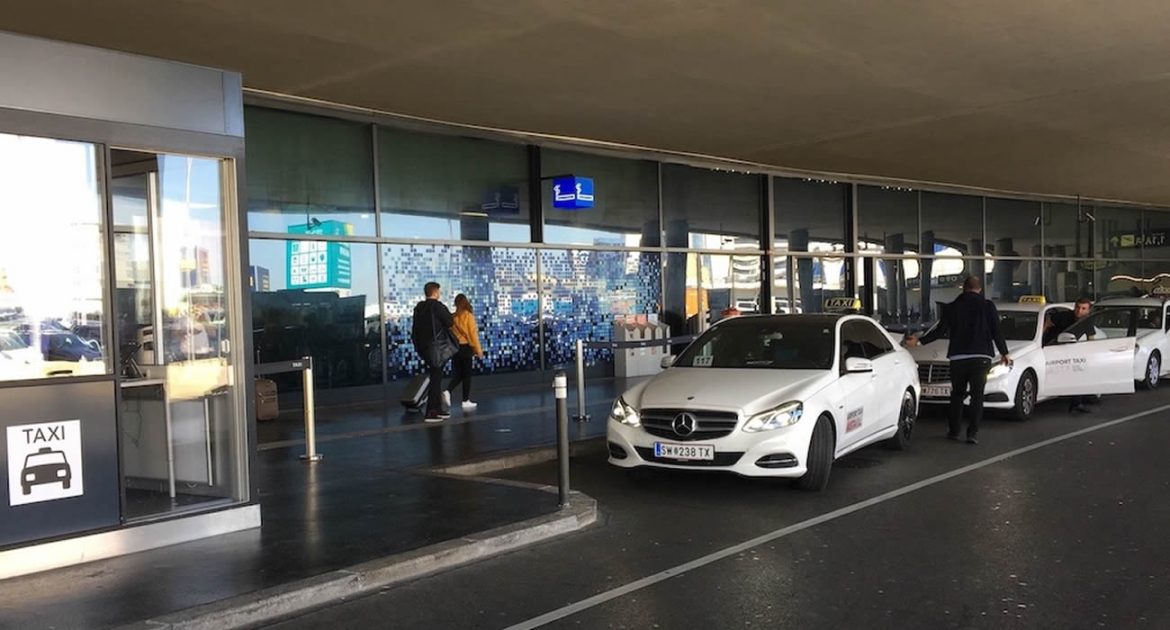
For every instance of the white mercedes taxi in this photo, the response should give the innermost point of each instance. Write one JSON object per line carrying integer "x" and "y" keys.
{"x": 770, "y": 396}
{"x": 1092, "y": 357}
{"x": 1153, "y": 336}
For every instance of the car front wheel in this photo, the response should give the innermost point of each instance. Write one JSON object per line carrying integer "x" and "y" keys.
{"x": 1153, "y": 371}
{"x": 1025, "y": 397}
{"x": 820, "y": 457}
{"x": 906, "y": 417}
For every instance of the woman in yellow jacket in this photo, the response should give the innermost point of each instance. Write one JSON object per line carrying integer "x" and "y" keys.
{"x": 467, "y": 333}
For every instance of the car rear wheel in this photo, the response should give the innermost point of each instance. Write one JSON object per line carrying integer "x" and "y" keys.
{"x": 1025, "y": 397}
{"x": 906, "y": 417}
{"x": 1153, "y": 371}
{"x": 820, "y": 457}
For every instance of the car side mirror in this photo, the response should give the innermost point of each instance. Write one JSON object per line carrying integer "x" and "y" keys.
{"x": 666, "y": 362}
{"x": 858, "y": 365}
{"x": 1066, "y": 337}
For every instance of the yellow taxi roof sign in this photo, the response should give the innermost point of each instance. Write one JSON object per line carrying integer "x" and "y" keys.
{"x": 841, "y": 303}
{"x": 1033, "y": 299}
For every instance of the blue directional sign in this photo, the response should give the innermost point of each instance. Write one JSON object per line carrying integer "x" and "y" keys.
{"x": 573, "y": 193}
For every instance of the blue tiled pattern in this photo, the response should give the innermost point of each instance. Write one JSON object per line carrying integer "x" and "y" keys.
{"x": 499, "y": 281}
{"x": 586, "y": 290}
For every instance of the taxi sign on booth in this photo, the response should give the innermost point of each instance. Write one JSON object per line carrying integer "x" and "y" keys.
{"x": 842, "y": 304}
{"x": 1033, "y": 299}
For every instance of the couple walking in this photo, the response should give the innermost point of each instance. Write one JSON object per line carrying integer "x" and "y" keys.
{"x": 439, "y": 337}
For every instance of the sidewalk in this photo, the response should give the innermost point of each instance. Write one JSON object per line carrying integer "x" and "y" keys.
{"x": 367, "y": 511}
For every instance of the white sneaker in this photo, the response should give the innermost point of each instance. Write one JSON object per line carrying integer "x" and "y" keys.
{"x": 444, "y": 414}
{"x": 469, "y": 405}
{"x": 446, "y": 399}
{"x": 429, "y": 419}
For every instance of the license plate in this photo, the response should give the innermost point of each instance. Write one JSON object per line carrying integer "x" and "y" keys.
{"x": 701, "y": 452}
{"x": 936, "y": 391}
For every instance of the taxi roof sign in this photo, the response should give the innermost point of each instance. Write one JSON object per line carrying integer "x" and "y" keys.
{"x": 842, "y": 304}
{"x": 1033, "y": 299}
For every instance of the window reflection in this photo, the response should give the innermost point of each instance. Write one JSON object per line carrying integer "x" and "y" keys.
{"x": 450, "y": 188}
{"x": 803, "y": 283}
{"x": 952, "y": 225}
{"x": 887, "y": 220}
{"x": 302, "y": 168}
{"x": 52, "y": 308}
{"x": 329, "y": 314}
{"x": 701, "y": 288}
{"x": 710, "y": 209}
{"x": 810, "y": 215}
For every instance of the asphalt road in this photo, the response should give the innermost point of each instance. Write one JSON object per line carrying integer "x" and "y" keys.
{"x": 1031, "y": 528}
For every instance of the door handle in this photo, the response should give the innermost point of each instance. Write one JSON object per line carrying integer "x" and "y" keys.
{"x": 1121, "y": 349}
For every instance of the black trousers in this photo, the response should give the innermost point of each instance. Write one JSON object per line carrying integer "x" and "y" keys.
{"x": 462, "y": 367}
{"x": 968, "y": 376}
{"x": 435, "y": 390}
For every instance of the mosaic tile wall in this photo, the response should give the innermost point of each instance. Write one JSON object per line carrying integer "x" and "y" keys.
{"x": 586, "y": 290}
{"x": 499, "y": 281}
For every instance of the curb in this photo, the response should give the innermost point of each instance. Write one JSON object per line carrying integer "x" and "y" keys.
{"x": 271, "y": 604}
{"x": 515, "y": 459}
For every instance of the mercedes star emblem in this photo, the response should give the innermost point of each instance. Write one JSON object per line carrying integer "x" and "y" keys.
{"x": 684, "y": 424}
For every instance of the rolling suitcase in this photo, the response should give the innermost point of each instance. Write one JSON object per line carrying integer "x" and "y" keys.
{"x": 414, "y": 397}
{"x": 267, "y": 402}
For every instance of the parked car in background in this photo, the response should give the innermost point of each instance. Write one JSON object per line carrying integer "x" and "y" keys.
{"x": 1153, "y": 336}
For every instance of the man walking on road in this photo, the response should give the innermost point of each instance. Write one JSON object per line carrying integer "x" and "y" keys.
{"x": 429, "y": 332}
{"x": 971, "y": 322}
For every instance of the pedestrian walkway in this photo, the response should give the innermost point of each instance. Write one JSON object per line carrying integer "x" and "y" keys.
{"x": 371, "y": 497}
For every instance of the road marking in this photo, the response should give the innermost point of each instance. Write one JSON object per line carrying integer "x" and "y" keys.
{"x": 681, "y": 569}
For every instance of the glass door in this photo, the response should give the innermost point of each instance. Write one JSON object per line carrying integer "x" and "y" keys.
{"x": 181, "y": 435}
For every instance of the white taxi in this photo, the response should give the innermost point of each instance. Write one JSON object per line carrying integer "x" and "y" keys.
{"x": 1092, "y": 357}
{"x": 1153, "y": 336}
{"x": 770, "y": 396}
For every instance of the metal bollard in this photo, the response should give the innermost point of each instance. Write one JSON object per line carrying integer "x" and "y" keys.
{"x": 311, "y": 454}
{"x": 581, "y": 416}
{"x": 560, "y": 389}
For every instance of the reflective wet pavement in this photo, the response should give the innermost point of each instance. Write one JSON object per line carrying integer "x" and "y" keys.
{"x": 1068, "y": 535}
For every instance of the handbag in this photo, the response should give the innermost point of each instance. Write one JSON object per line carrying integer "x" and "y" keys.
{"x": 443, "y": 347}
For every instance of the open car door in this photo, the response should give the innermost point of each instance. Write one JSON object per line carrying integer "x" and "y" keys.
{"x": 1093, "y": 356}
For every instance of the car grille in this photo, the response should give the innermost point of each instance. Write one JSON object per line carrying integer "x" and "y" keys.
{"x": 709, "y": 425}
{"x": 934, "y": 372}
{"x": 721, "y": 459}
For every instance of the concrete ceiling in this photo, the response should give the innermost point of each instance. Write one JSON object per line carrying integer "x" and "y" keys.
{"x": 1046, "y": 96}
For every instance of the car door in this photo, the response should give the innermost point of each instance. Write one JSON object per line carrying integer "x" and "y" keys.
{"x": 855, "y": 403}
{"x": 1093, "y": 356}
{"x": 887, "y": 367}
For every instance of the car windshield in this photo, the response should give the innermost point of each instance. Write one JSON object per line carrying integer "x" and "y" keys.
{"x": 764, "y": 343}
{"x": 9, "y": 341}
{"x": 1015, "y": 325}
{"x": 44, "y": 459}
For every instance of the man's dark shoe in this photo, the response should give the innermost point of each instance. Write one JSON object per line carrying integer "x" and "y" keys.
{"x": 971, "y": 439}
{"x": 953, "y": 436}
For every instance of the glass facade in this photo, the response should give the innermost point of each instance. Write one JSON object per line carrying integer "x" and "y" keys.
{"x": 651, "y": 242}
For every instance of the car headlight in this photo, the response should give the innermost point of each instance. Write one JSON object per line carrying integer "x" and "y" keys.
{"x": 29, "y": 477}
{"x": 785, "y": 415}
{"x": 998, "y": 370}
{"x": 624, "y": 413}
{"x": 60, "y": 472}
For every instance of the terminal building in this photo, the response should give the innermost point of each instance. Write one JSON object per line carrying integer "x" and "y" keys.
{"x": 170, "y": 228}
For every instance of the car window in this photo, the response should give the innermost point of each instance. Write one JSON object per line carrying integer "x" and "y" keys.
{"x": 1018, "y": 325}
{"x": 43, "y": 459}
{"x": 862, "y": 339}
{"x": 763, "y": 343}
{"x": 1107, "y": 323}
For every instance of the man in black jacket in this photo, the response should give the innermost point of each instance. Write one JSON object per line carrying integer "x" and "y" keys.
{"x": 972, "y": 324}
{"x": 432, "y": 318}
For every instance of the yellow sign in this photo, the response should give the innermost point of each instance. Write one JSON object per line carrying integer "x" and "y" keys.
{"x": 842, "y": 304}
{"x": 1033, "y": 299}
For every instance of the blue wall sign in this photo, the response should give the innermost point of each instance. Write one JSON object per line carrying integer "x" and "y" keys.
{"x": 573, "y": 193}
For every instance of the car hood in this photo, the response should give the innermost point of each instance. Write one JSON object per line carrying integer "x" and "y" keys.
{"x": 937, "y": 350}
{"x": 746, "y": 390}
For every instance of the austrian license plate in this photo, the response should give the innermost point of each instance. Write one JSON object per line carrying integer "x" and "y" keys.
{"x": 936, "y": 391}
{"x": 701, "y": 452}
